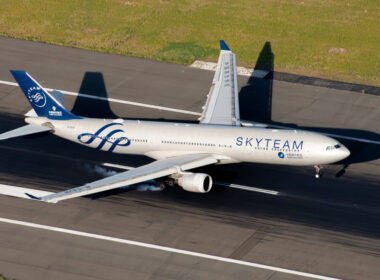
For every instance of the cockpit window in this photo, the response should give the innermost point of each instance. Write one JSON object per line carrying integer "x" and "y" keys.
{"x": 337, "y": 146}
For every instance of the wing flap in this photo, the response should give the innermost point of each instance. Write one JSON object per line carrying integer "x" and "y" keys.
{"x": 150, "y": 171}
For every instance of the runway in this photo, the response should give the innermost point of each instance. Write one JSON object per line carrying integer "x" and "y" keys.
{"x": 328, "y": 227}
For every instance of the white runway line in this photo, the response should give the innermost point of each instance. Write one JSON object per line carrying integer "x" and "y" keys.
{"x": 252, "y": 189}
{"x": 125, "y": 167}
{"x": 247, "y": 188}
{"x": 20, "y": 192}
{"x": 166, "y": 249}
{"x": 115, "y": 100}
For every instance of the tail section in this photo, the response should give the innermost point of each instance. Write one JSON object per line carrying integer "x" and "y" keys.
{"x": 44, "y": 104}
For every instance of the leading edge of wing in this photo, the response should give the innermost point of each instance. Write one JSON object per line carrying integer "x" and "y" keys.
{"x": 140, "y": 174}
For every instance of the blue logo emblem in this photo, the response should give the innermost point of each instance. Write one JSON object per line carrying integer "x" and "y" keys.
{"x": 281, "y": 155}
{"x": 37, "y": 96}
{"x": 121, "y": 141}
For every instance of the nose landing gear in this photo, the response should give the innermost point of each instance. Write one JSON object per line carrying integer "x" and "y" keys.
{"x": 318, "y": 172}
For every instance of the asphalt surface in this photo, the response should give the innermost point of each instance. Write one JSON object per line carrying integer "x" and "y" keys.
{"x": 329, "y": 226}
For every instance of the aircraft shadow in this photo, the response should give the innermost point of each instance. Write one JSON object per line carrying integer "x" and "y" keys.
{"x": 93, "y": 85}
{"x": 255, "y": 100}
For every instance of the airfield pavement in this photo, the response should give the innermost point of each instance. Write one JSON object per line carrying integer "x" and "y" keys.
{"x": 328, "y": 227}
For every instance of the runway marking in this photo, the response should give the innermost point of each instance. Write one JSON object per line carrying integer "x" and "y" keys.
{"x": 20, "y": 192}
{"x": 166, "y": 249}
{"x": 118, "y": 166}
{"x": 116, "y": 100}
{"x": 247, "y": 188}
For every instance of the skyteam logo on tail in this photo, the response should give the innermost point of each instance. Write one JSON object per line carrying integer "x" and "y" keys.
{"x": 88, "y": 138}
{"x": 55, "y": 112}
{"x": 36, "y": 96}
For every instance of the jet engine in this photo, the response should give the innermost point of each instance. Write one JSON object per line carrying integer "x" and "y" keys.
{"x": 195, "y": 182}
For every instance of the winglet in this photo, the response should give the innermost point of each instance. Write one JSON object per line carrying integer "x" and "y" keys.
{"x": 223, "y": 46}
{"x": 33, "y": 197}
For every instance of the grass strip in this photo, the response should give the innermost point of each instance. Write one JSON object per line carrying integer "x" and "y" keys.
{"x": 331, "y": 39}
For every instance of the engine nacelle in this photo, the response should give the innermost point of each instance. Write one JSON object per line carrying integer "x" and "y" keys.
{"x": 195, "y": 182}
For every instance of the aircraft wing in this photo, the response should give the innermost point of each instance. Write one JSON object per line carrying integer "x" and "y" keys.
{"x": 157, "y": 169}
{"x": 222, "y": 105}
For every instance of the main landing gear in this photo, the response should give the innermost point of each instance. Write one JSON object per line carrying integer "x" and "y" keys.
{"x": 318, "y": 172}
{"x": 167, "y": 182}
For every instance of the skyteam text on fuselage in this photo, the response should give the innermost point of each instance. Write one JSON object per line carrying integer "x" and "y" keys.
{"x": 219, "y": 138}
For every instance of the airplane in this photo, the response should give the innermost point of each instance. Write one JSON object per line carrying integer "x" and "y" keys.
{"x": 219, "y": 138}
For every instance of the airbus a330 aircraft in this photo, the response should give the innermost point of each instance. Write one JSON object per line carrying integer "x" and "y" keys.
{"x": 220, "y": 137}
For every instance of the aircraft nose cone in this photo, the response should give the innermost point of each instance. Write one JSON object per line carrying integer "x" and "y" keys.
{"x": 348, "y": 153}
{"x": 344, "y": 152}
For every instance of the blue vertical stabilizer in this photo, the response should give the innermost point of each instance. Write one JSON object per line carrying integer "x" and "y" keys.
{"x": 44, "y": 104}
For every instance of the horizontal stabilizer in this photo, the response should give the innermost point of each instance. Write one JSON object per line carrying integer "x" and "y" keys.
{"x": 24, "y": 130}
{"x": 31, "y": 114}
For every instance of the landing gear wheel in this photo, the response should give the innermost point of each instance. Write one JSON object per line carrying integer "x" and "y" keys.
{"x": 318, "y": 173}
{"x": 169, "y": 182}
{"x": 162, "y": 186}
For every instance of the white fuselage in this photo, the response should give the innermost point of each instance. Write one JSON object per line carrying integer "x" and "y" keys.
{"x": 230, "y": 144}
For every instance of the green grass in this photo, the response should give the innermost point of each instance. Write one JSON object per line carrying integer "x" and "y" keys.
{"x": 303, "y": 34}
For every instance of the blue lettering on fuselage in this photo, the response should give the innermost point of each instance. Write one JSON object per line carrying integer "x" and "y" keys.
{"x": 276, "y": 144}
{"x": 258, "y": 142}
{"x": 286, "y": 145}
{"x": 239, "y": 141}
{"x": 248, "y": 141}
{"x": 268, "y": 140}
{"x": 269, "y": 143}
{"x": 297, "y": 146}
